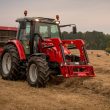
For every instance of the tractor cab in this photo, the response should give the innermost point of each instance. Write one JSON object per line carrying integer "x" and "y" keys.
{"x": 30, "y": 28}
{"x": 33, "y": 32}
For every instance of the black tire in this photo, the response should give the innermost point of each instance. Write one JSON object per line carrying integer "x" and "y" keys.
{"x": 13, "y": 72}
{"x": 41, "y": 72}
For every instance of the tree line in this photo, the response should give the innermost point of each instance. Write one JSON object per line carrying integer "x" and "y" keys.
{"x": 94, "y": 40}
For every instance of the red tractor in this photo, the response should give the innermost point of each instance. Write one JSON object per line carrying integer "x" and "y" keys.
{"x": 38, "y": 52}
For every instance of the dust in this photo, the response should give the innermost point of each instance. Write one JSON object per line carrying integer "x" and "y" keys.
{"x": 73, "y": 83}
{"x": 98, "y": 87}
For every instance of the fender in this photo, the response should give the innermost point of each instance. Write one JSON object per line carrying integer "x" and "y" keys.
{"x": 19, "y": 47}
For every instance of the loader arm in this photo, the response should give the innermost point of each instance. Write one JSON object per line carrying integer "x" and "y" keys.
{"x": 67, "y": 70}
{"x": 80, "y": 45}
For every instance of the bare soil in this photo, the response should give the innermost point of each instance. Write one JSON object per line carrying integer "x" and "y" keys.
{"x": 70, "y": 94}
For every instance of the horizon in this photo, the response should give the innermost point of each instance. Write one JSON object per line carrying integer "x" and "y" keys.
{"x": 87, "y": 15}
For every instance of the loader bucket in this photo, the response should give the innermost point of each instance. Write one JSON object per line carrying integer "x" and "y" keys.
{"x": 77, "y": 71}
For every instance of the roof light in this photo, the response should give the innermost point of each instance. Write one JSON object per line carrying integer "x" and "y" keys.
{"x": 37, "y": 20}
{"x": 57, "y": 22}
{"x": 25, "y": 13}
{"x": 57, "y": 17}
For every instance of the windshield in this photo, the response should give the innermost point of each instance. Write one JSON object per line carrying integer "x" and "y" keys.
{"x": 48, "y": 30}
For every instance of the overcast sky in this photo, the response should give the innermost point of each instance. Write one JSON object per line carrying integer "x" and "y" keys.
{"x": 88, "y": 15}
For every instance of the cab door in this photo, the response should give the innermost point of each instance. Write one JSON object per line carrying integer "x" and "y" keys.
{"x": 24, "y": 36}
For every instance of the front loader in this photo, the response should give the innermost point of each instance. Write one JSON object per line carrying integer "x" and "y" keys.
{"x": 38, "y": 52}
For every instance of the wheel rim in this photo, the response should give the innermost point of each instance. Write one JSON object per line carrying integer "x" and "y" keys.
{"x": 6, "y": 63}
{"x": 33, "y": 73}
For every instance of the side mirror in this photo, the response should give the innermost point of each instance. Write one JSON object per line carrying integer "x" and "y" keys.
{"x": 74, "y": 30}
{"x": 23, "y": 25}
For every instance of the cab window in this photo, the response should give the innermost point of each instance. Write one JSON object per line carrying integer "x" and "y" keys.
{"x": 44, "y": 31}
{"x": 24, "y": 36}
{"x": 48, "y": 30}
{"x": 28, "y": 28}
{"x": 25, "y": 33}
{"x": 54, "y": 31}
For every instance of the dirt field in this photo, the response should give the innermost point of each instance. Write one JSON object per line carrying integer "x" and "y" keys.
{"x": 71, "y": 94}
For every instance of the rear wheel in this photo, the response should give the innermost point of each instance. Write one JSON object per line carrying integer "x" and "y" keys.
{"x": 10, "y": 63}
{"x": 37, "y": 72}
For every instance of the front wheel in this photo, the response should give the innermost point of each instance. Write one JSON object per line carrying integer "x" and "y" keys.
{"x": 37, "y": 72}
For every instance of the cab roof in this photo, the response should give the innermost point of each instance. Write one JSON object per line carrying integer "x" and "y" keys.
{"x": 41, "y": 19}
